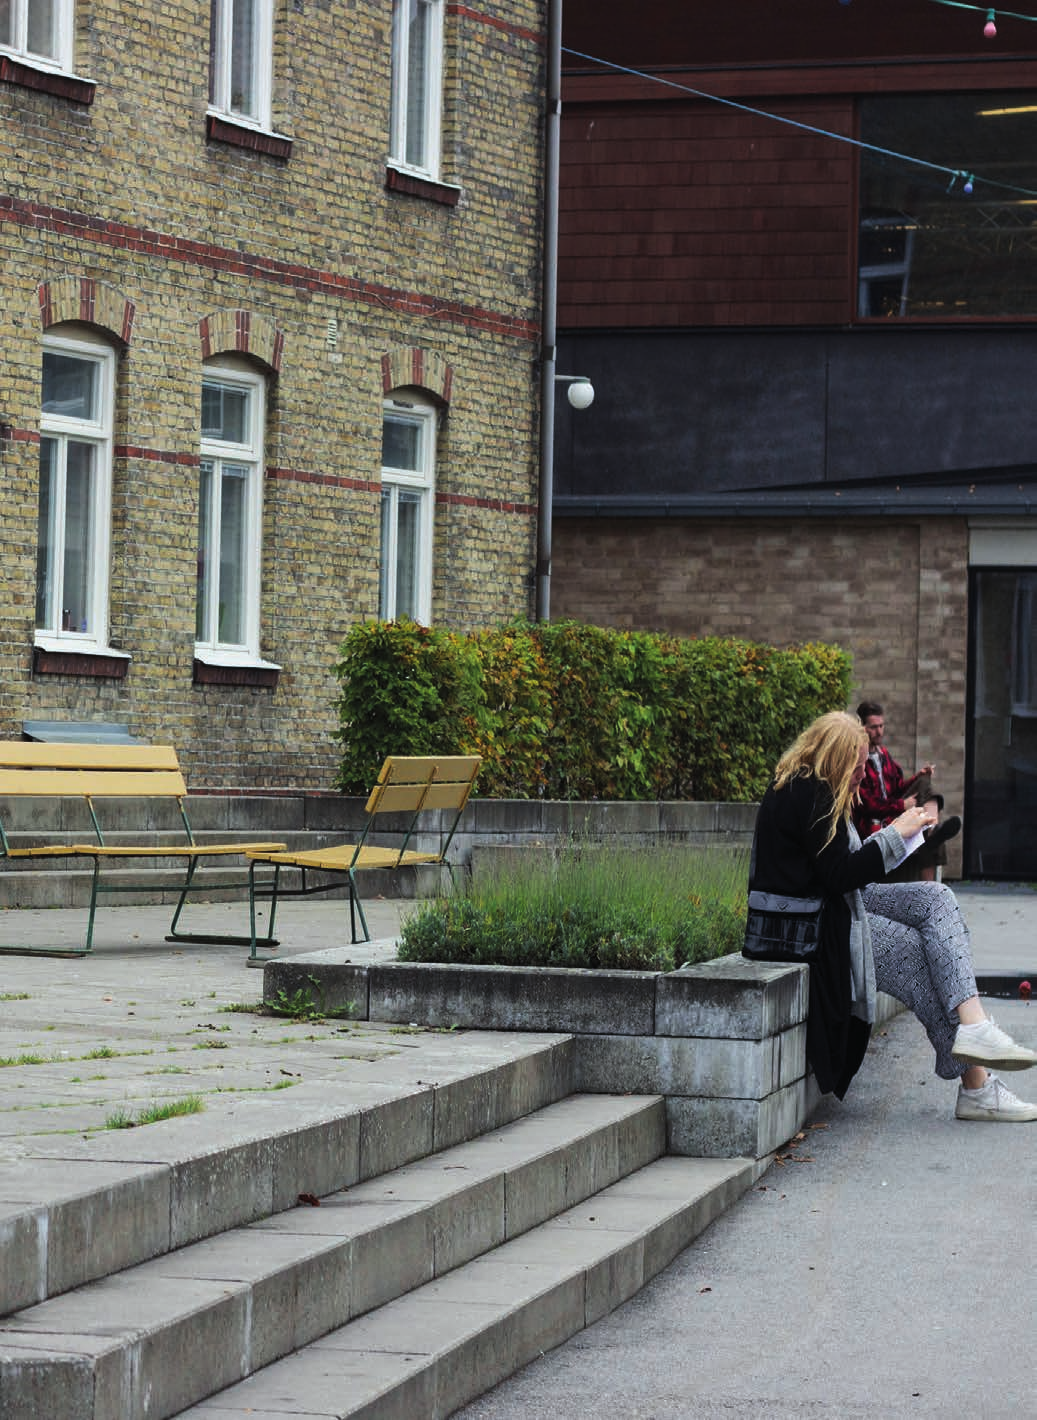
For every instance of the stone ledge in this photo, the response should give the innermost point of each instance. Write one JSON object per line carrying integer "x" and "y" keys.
{"x": 724, "y": 1041}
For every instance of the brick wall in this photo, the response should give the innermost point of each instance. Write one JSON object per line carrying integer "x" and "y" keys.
{"x": 120, "y": 213}
{"x": 892, "y": 594}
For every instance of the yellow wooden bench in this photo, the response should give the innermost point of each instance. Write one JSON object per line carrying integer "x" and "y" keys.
{"x": 111, "y": 771}
{"x": 408, "y": 789}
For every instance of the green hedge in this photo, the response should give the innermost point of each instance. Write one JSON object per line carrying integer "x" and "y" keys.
{"x": 564, "y": 710}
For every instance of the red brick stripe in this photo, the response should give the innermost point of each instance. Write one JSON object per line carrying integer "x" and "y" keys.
{"x": 465, "y": 12}
{"x": 144, "y": 241}
{"x": 328, "y": 480}
{"x": 496, "y": 505}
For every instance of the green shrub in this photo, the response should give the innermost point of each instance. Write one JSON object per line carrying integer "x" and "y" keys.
{"x": 644, "y": 909}
{"x": 563, "y": 710}
{"x": 406, "y": 689}
{"x": 512, "y": 733}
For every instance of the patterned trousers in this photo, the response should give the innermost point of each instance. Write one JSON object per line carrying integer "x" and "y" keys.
{"x": 920, "y": 944}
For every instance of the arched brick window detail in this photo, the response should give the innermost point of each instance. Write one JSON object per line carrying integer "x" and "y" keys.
{"x": 423, "y": 369}
{"x": 243, "y": 333}
{"x": 81, "y": 298}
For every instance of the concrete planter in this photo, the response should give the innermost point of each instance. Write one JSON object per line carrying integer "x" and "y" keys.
{"x": 723, "y": 1042}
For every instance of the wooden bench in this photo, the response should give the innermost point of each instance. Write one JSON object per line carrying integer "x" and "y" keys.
{"x": 111, "y": 771}
{"x": 408, "y": 790}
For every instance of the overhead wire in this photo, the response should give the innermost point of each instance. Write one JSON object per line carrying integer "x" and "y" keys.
{"x": 968, "y": 179}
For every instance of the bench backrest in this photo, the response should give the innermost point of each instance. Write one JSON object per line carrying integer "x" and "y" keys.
{"x": 89, "y": 770}
{"x": 410, "y": 785}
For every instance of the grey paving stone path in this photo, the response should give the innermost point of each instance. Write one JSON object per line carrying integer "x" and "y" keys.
{"x": 144, "y": 1022}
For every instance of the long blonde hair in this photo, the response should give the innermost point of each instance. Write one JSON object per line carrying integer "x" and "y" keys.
{"x": 829, "y": 750}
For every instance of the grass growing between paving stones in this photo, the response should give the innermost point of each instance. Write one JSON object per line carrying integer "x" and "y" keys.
{"x": 636, "y": 909}
{"x": 153, "y": 1114}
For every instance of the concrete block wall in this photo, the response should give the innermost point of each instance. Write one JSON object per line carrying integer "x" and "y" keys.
{"x": 894, "y": 593}
{"x": 120, "y": 216}
{"x": 723, "y": 1042}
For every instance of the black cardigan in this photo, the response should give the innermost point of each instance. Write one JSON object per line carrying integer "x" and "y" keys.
{"x": 790, "y": 857}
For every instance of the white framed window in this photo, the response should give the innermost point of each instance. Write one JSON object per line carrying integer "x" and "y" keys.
{"x": 74, "y": 523}
{"x": 230, "y": 514}
{"x": 417, "y": 85}
{"x": 38, "y": 30}
{"x": 240, "y": 66}
{"x": 408, "y": 489}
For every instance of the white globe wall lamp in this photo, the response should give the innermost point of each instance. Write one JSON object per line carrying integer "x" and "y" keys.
{"x": 580, "y": 393}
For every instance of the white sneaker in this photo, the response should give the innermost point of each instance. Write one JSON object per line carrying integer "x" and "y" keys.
{"x": 995, "y": 1102}
{"x": 986, "y": 1044}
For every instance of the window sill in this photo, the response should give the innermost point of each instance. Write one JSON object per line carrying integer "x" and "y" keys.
{"x": 53, "y": 657}
{"x": 46, "y": 81}
{"x": 239, "y": 135}
{"x": 210, "y": 668}
{"x": 397, "y": 180}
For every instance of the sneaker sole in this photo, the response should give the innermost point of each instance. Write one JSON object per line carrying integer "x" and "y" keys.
{"x": 994, "y": 1116}
{"x": 995, "y": 1061}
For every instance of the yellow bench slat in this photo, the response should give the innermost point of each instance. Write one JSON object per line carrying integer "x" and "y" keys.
{"x": 405, "y": 798}
{"x": 341, "y": 858}
{"x": 28, "y": 755}
{"x": 419, "y": 769}
{"x": 172, "y": 850}
{"x": 97, "y": 783}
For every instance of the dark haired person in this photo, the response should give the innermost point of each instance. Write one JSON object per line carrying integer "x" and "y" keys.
{"x": 885, "y": 792}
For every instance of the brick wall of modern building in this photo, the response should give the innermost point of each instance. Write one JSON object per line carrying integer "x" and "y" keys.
{"x": 119, "y": 212}
{"x": 892, "y": 594}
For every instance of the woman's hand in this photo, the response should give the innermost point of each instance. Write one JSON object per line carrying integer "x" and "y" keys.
{"x": 914, "y": 819}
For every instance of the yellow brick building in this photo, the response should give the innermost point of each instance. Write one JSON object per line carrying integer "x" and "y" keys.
{"x": 269, "y": 337}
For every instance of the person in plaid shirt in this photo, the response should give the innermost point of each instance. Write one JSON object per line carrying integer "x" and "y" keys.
{"x": 884, "y": 793}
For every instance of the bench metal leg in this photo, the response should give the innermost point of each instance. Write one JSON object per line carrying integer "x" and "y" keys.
{"x": 232, "y": 939}
{"x": 93, "y": 905}
{"x": 356, "y": 909}
{"x": 269, "y": 940}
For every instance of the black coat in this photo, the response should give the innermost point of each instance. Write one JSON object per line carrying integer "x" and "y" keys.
{"x": 791, "y": 857}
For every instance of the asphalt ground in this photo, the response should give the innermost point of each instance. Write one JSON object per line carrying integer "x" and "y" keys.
{"x": 883, "y": 1267}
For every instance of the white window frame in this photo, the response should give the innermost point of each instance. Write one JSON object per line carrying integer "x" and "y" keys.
{"x": 221, "y": 97}
{"x": 427, "y": 162}
{"x": 56, "y": 632}
{"x": 419, "y": 413}
{"x": 18, "y": 42}
{"x": 208, "y": 646}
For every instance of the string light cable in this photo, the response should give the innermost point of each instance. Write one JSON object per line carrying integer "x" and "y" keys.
{"x": 990, "y": 27}
{"x": 968, "y": 180}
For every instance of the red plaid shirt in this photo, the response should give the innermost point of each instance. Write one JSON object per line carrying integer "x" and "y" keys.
{"x": 881, "y": 793}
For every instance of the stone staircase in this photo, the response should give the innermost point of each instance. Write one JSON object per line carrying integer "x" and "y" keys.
{"x": 329, "y": 1260}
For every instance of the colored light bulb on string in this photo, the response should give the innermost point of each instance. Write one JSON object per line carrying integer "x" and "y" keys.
{"x": 967, "y": 189}
{"x": 990, "y": 28}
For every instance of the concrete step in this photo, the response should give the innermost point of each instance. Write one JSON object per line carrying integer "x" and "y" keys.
{"x": 78, "y": 1210}
{"x": 118, "y": 1348}
{"x": 430, "y": 1352}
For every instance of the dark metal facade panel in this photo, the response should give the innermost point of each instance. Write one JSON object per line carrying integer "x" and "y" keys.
{"x": 693, "y": 414}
